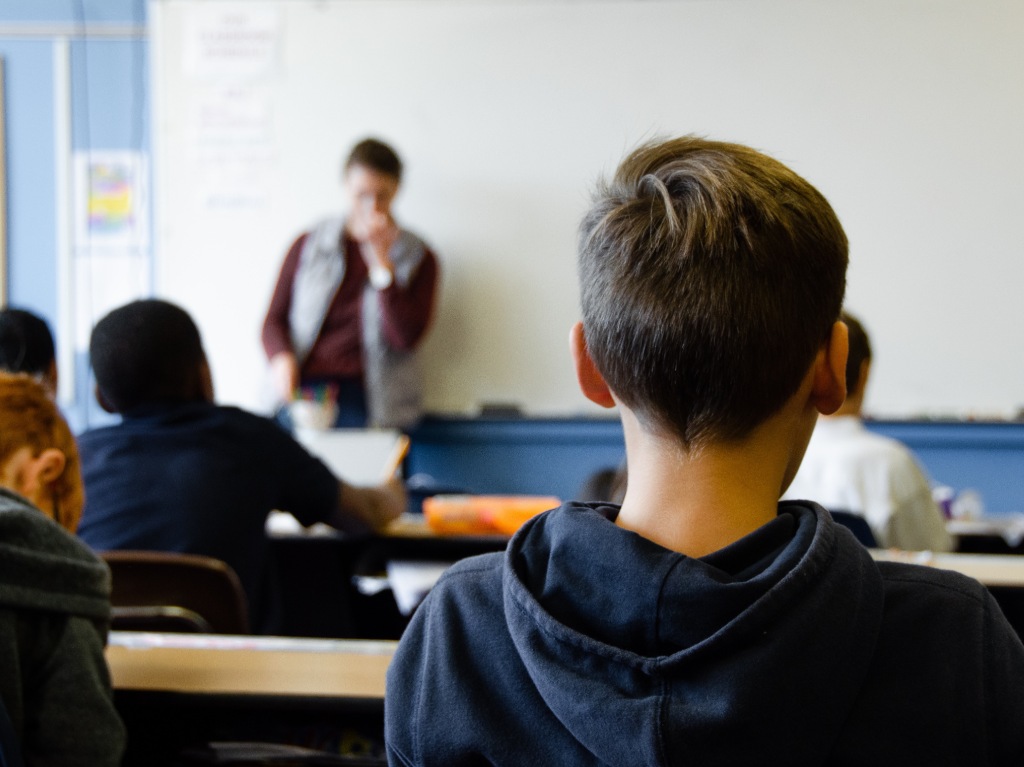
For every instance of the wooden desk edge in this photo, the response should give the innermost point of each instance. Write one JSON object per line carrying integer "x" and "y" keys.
{"x": 249, "y": 671}
{"x": 989, "y": 569}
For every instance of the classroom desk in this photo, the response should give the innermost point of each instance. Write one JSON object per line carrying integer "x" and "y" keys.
{"x": 316, "y": 569}
{"x": 269, "y": 666}
{"x": 1003, "y": 534}
{"x": 989, "y": 569}
{"x": 179, "y": 691}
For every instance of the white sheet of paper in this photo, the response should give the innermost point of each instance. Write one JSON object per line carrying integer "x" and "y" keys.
{"x": 231, "y": 40}
{"x": 358, "y": 456}
{"x": 411, "y": 581}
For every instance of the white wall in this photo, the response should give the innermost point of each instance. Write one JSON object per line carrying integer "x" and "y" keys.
{"x": 907, "y": 114}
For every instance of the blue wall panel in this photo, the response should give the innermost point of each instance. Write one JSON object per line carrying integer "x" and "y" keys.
{"x": 110, "y": 94}
{"x": 71, "y": 11}
{"x": 987, "y": 457}
{"x": 556, "y": 456}
{"x": 29, "y": 108}
{"x": 515, "y": 456}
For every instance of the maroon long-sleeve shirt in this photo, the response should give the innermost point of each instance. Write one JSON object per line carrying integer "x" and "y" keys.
{"x": 338, "y": 349}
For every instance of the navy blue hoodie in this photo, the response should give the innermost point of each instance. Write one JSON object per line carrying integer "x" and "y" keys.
{"x": 586, "y": 644}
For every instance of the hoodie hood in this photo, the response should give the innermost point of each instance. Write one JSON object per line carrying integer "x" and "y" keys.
{"x": 43, "y": 567}
{"x": 621, "y": 635}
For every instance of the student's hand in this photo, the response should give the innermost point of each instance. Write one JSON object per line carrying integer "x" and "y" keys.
{"x": 284, "y": 370}
{"x": 369, "y": 507}
{"x": 389, "y": 502}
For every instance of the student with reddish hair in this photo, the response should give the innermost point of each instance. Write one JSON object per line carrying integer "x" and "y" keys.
{"x": 54, "y": 591}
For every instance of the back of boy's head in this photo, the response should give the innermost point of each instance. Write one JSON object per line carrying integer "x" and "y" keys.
{"x": 29, "y": 418}
{"x": 26, "y": 343}
{"x": 145, "y": 353}
{"x": 860, "y": 349}
{"x": 710, "y": 276}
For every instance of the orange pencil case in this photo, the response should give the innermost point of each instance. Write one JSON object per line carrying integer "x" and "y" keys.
{"x": 483, "y": 514}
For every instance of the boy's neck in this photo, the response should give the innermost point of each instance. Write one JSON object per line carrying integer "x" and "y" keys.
{"x": 700, "y": 500}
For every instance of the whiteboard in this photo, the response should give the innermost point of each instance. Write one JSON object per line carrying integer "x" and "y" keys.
{"x": 907, "y": 114}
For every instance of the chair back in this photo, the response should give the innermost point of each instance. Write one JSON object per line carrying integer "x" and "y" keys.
{"x": 166, "y": 591}
{"x": 856, "y": 525}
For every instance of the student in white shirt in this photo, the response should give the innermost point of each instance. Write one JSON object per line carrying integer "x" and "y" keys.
{"x": 848, "y": 468}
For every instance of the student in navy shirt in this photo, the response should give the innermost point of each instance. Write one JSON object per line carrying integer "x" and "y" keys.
{"x": 180, "y": 473}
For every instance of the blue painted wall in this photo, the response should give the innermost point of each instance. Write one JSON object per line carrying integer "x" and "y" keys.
{"x": 556, "y": 456}
{"x": 109, "y": 110}
{"x": 31, "y": 191}
{"x": 74, "y": 11}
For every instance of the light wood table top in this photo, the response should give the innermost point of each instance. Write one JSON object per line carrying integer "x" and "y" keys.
{"x": 229, "y": 665}
{"x": 990, "y": 569}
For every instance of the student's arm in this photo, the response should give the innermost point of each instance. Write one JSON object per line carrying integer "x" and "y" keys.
{"x": 917, "y": 523}
{"x": 70, "y": 717}
{"x": 366, "y": 509}
{"x": 406, "y": 311}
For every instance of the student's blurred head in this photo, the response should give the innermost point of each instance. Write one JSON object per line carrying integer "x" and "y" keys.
{"x": 372, "y": 174}
{"x": 26, "y": 346}
{"x": 710, "y": 276}
{"x": 38, "y": 455}
{"x": 860, "y": 353}
{"x": 146, "y": 353}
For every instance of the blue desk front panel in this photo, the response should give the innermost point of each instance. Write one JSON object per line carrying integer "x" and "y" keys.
{"x": 515, "y": 456}
{"x": 555, "y": 456}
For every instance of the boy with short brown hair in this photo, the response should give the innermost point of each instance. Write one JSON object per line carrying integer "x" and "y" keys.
{"x": 703, "y": 622}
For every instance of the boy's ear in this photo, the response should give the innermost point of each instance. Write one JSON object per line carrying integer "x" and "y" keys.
{"x": 102, "y": 401}
{"x": 589, "y": 377}
{"x": 50, "y": 465}
{"x": 829, "y": 388}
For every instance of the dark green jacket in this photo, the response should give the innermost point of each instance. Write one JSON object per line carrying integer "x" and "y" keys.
{"x": 54, "y": 613}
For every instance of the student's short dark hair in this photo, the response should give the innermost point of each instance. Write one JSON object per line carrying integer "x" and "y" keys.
{"x": 860, "y": 349}
{"x": 26, "y": 343}
{"x": 376, "y": 155}
{"x": 710, "y": 275}
{"x": 144, "y": 353}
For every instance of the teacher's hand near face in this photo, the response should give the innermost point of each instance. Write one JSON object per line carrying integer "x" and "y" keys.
{"x": 376, "y": 233}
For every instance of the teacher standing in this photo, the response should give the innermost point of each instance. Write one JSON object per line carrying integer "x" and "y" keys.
{"x": 353, "y": 301}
